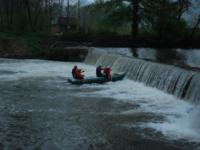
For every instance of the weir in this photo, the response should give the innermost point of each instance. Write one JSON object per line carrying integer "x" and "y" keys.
{"x": 180, "y": 82}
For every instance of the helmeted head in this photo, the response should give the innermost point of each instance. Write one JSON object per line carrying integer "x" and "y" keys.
{"x": 75, "y": 66}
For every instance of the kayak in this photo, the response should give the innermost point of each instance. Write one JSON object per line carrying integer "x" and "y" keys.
{"x": 115, "y": 77}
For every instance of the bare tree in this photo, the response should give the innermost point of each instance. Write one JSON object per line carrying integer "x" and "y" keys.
{"x": 135, "y": 16}
{"x": 196, "y": 26}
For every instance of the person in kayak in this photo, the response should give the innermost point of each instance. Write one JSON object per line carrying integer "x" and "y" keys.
{"x": 107, "y": 72}
{"x": 74, "y": 70}
{"x": 77, "y": 73}
{"x": 99, "y": 70}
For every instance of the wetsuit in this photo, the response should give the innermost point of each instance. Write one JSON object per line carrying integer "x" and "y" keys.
{"x": 73, "y": 71}
{"x": 98, "y": 71}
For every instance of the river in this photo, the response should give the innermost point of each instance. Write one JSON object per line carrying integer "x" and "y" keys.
{"x": 41, "y": 110}
{"x": 189, "y": 58}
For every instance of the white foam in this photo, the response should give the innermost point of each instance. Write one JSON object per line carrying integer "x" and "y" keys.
{"x": 181, "y": 118}
{"x": 39, "y": 68}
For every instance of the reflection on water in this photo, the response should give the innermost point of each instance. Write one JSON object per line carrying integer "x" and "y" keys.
{"x": 180, "y": 57}
{"x": 191, "y": 57}
{"x": 170, "y": 56}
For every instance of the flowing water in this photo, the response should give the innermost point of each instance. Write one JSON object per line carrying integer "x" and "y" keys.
{"x": 173, "y": 80}
{"x": 181, "y": 57}
{"x": 40, "y": 110}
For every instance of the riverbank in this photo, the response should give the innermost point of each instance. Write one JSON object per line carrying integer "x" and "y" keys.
{"x": 145, "y": 41}
{"x": 36, "y": 47}
{"x": 43, "y": 46}
{"x": 54, "y": 48}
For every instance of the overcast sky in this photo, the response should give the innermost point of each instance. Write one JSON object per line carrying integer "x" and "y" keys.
{"x": 83, "y": 2}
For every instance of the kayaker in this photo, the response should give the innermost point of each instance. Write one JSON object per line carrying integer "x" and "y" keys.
{"x": 107, "y": 72}
{"x": 99, "y": 70}
{"x": 74, "y": 70}
{"x": 77, "y": 73}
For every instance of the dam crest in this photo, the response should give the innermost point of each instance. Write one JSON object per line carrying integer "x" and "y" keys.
{"x": 177, "y": 81}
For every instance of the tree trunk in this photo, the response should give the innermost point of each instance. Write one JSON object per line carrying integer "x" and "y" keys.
{"x": 68, "y": 15}
{"x": 183, "y": 5}
{"x": 135, "y": 18}
{"x": 37, "y": 13}
{"x": 180, "y": 9}
{"x": 195, "y": 27}
{"x": 7, "y": 14}
{"x": 11, "y": 13}
{"x": 29, "y": 15}
{"x": 79, "y": 14}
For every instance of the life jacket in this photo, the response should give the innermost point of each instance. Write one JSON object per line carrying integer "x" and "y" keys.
{"x": 98, "y": 71}
{"x": 107, "y": 72}
{"x": 78, "y": 74}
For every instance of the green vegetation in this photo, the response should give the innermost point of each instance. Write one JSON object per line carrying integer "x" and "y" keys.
{"x": 109, "y": 16}
{"x": 144, "y": 20}
{"x": 161, "y": 19}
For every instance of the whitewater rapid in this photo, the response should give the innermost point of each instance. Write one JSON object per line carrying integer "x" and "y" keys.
{"x": 179, "y": 118}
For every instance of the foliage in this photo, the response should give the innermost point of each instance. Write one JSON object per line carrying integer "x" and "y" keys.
{"x": 163, "y": 19}
{"x": 33, "y": 43}
{"x": 22, "y": 16}
{"x": 160, "y": 18}
{"x": 109, "y": 16}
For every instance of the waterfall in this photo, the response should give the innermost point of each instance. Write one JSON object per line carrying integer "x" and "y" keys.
{"x": 92, "y": 57}
{"x": 180, "y": 82}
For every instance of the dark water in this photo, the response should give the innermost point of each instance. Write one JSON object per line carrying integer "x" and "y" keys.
{"x": 42, "y": 116}
{"x": 40, "y": 110}
{"x": 180, "y": 57}
{"x": 188, "y": 58}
